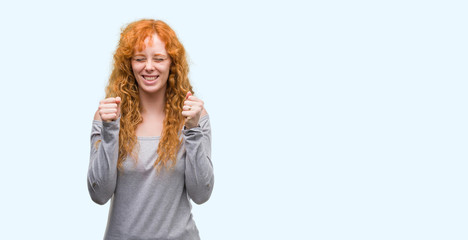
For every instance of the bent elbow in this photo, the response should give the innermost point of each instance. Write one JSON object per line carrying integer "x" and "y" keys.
{"x": 203, "y": 195}
{"x": 99, "y": 200}
{"x": 201, "y": 199}
{"x": 98, "y": 197}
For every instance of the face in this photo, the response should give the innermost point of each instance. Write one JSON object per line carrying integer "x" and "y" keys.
{"x": 151, "y": 66}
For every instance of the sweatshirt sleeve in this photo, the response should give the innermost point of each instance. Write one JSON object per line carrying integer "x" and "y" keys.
{"x": 199, "y": 177}
{"x": 102, "y": 170}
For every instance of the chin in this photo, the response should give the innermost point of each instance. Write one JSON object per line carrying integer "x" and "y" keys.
{"x": 152, "y": 89}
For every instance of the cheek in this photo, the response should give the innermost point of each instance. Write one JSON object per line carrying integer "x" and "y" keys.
{"x": 166, "y": 68}
{"x": 137, "y": 69}
{"x": 134, "y": 68}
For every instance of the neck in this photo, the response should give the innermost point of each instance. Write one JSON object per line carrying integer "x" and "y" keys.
{"x": 152, "y": 104}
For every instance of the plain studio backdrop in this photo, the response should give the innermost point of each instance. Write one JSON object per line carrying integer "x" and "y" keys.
{"x": 330, "y": 119}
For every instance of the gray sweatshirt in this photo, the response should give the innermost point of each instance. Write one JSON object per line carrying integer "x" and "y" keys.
{"x": 145, "y": 204}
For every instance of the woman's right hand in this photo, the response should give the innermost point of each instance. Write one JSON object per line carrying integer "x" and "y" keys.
{"x": 109, "y": 109}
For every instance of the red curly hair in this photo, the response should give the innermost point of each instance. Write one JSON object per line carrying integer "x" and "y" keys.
{"x": 122, "y": 83}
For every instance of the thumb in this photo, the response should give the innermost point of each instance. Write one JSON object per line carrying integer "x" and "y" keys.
{"x": 118, "y": 101}
{"x": 188, "y": 95}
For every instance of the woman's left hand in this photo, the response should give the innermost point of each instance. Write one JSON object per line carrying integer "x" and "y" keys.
{"x": 192, "y": 110}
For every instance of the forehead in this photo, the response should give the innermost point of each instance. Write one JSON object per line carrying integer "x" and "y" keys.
{"x": 151, "y": 44}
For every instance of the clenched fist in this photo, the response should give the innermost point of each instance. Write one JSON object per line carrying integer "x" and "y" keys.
{"x": 192, "y": 110}
{"x": 109, "y": 109}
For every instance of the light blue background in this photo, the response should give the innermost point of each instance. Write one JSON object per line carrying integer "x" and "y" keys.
{"x": 331, "y": 119}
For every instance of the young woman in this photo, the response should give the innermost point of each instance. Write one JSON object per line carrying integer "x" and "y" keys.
{"x": 150, "y": 139}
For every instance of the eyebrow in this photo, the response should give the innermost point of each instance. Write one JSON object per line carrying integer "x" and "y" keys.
{"x": 142, "y": 55}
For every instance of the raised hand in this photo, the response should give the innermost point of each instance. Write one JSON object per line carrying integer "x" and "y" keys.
{"x": 192, "y": 110}
{"x": 109, "y": 109}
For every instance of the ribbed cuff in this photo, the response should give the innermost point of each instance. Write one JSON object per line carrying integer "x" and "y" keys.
{"x": 111, "y": 124}
{"x": 192, "y": 131}
{"x": 110, "y": 130}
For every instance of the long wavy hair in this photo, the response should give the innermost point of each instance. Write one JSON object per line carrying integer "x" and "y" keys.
{"x": 122, "y": 83}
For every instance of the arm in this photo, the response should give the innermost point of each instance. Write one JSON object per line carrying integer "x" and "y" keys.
{"x": 102, "y": 171}
{"x": 199, "y": 177}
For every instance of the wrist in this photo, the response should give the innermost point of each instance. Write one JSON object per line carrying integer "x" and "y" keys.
{"x": 187, "y": 127}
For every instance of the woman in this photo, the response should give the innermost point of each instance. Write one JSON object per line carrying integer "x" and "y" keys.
{"x": 150, "y": 140}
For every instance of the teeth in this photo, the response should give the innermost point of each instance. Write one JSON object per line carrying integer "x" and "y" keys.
{"x": 150, "y": 78}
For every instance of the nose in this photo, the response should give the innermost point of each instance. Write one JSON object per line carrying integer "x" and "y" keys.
{"x": 149, "y": 65}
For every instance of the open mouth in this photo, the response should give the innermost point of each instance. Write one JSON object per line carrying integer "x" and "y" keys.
{"x": 150, "y": 78}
